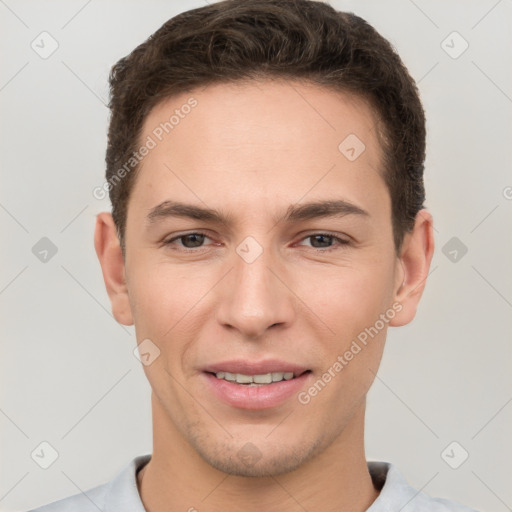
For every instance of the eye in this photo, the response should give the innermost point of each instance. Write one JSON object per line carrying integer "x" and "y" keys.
{"x": 323, "y": 242}
{"x": 326, "y": 242}
{"x": 189, "y": 240}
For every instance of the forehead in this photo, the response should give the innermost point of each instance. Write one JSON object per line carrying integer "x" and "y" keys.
{"x": 268, "y": 140}
{"x": 277, "y": 113}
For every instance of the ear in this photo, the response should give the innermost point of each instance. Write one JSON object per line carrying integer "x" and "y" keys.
{"x": 413, "y": 267}
{"x": 108, "y": 249}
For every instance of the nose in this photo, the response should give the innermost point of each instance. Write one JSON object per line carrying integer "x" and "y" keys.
{"x": 256, "y": 296}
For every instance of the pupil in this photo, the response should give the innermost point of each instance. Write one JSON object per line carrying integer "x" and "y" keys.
{"x": 199, "y": 239}
{"x": 324, "y": 237}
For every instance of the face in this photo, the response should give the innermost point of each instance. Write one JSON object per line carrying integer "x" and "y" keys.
{"x": 258, "y": 248}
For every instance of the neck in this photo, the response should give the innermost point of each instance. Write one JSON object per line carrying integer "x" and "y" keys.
{"x": 337, "y": 479}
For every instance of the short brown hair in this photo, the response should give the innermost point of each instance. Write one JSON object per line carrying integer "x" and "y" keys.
{"x": 233, "y": 40}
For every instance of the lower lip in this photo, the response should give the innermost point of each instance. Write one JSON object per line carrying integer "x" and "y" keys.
{"x": 255, "y": 397}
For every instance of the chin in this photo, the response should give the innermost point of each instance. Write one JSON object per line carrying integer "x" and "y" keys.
{"x": 257, "y": 460}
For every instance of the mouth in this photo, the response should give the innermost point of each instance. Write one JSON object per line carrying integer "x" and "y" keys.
{"x": 249, "y": 385}
{"x": 262, "y": 379}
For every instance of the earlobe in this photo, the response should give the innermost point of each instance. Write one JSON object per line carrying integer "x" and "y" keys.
{"x": 108, "y": 250}
{"x": 415, "y": 259}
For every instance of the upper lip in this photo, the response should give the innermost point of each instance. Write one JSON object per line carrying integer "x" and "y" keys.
{"x": 246, "y": 367}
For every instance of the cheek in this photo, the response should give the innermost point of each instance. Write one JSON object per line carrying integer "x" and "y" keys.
{"x": 164, "y": 302}
{"x": 351, "y": 305}
{"x": 349, "y": 300}
{"x": 161, "y": 296}
{"x": 169, "y": 308}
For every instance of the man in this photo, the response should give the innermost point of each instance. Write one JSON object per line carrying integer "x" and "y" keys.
{"x": 265, "y": 167}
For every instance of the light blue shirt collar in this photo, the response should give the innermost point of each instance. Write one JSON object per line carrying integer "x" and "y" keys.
{"x": 121, "y": 493}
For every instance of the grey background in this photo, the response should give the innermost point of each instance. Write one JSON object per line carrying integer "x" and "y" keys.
{"x": 68, "y": 373}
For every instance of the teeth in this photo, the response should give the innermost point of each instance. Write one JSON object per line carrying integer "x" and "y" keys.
{"x": 262, "y": 379}
{"x": 265, "y": 378}
{"x": 243, "y": 379}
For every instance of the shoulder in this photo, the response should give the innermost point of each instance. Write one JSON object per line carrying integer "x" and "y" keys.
{"x": 397, "y": 494}
{"x": 88, "y": 501}
{"x": 120, "y": 493}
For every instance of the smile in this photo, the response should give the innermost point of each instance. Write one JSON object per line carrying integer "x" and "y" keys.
{"x": 255, "y": 385}
{"x": 255, "y": 380}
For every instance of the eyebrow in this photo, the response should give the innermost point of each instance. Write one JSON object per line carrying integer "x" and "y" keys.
{"x": 294, "y": 213}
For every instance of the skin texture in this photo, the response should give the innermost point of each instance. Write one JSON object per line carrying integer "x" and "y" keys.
{"x": 251, "y": 150}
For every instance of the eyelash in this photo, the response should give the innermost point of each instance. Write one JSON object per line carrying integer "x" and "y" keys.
{"x": 339, "y": 241}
